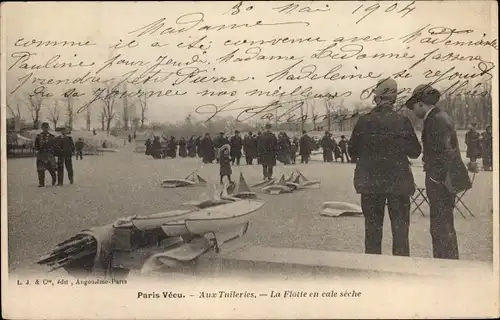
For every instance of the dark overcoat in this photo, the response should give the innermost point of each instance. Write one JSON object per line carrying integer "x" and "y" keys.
{"x": 250, "y": 146}
{"x": 381, "y": 142}
{"x": 472, "y": 140}
{"x": 236, "y": 144}
{"x": 442, "y": 159}
{"x": 268, "y": 148}
{"x": 305, "y": 145}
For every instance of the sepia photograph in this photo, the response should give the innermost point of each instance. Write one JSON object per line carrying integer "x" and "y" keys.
{"x": 249, "y": 159}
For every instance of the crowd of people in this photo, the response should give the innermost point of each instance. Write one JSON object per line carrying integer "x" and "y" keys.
{"x": 247, "y": 147}
{"x": 479, "y": 146}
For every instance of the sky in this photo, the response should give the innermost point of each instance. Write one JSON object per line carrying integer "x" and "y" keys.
{"x": 332, "y": 24}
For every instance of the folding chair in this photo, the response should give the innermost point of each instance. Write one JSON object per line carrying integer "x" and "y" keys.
{"x": 458, "y": 200}
{"x": 418, "y": 199}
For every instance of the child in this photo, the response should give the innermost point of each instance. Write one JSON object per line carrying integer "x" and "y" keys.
{"x": 225, "y": 163}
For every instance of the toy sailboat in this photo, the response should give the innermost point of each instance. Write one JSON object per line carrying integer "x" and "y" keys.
{"x": 305, "y": 183}
{"x": 240, "y": 190}
{"x": 191, "y": 180}
{"x": 279, "y": 187}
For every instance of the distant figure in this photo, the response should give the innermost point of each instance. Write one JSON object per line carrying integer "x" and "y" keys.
{"x": 191, "y": 147}
{"x": 250, "y": 148}
{"x": 197, "y": 143}
{"x": 172, "y": 147}
{"x": 445, "y": 172}
{"x": 328, "y": 146}
{"x": 487, "y": 149}
{"x": 135, "y": 135}
{"x": 156, "y": 148}
{"x": 257, "y": 139}
{"x": 207, "y": 149}
{"x": 472, "y": 140}
{"x": 343, "y": 149}
{"x": 79, "y": 148}
{"x": 268, "y": 148}
{"x": 306, "y": 146}
{"x": 293, "y": 150}
{"x": 236, "y": 144}
{"x": 65, "y": 149}
{"x": 45, "y": 155}
{"x": 284, "y": 148}
{"x": 337, "y": 154}
{"x": 218, "y": 143}
{"x": 182, "y": 148}
{"x": 129, "y": 138}
{"x": 381, "y": 142}
{"x": 225, "y": 163}
{"x": 104, "y": 144}
{"x": 94, "y": 132}
{"x": 148, "y": 145}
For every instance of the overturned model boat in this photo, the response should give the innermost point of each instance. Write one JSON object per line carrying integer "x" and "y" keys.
{"x": 191, "y": 180}
{"x": 240, "y": 190}
{"x": 279, "y": 187}
{"x": 166, "y": 239}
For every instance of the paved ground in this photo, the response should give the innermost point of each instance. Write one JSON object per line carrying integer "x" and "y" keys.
{"x": 121, "y": 184}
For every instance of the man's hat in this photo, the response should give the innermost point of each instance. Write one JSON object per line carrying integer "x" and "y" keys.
{"x": 250, "y": 132}
{"x": 236, "y": 131}
{"x": 45, "y": 124}
{"x": 304, "y": 131}
{"x": 423, "y": 93}
{"x": 342, "y": 136}
{"x": 268, "y": 126}
{"x": 326, "y": 132}
{"x": 386, "y": 88}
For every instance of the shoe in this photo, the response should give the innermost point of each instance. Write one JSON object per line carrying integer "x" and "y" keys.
{"x": 71, "y": 181}
{"x": 41, "y": 186}
{"x": 59, "y": 184}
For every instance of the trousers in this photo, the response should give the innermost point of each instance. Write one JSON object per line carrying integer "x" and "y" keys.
{"x": 61, "y": 163}
{"x": 443, "y": 234}
{"x": 373, "y": 206}
{"x": 267, "y": 171}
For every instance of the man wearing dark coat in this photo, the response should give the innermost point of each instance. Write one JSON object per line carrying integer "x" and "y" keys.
{"x": 305, "y": 145}
{"x": 64, "y": 152}
{"x": 182, "y": 148}
{"x": 250, "y": 148}
{"x": 156, "y": 148}
{"x": 191, "y": 147}
{"x": 148, "y": 144}
{"x": 172, "y": 147}
{"x": 487, "y": 149}
{"x": 445, "y": 172}
{"x": 207, "y": 149}
{"x": 257, "y": 139}
{"x": 236, "y": 144}
{"x": 381, "y": 143}
{"x": 79, "y": 148}
{"x": 45, "y": 155}
{"x": 472, "y": 140}
{"x": 328, "y": 147}
{"x": 268, "y": 145}
{"x": 197, "y": 143}
{"x": 343, "y": 145}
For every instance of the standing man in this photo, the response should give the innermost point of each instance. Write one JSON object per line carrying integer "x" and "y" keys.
{"x": 250, "y": 148}
{"x": 236, "y": 144}
{"x": 305, "y": 147}
{"x": 65, "y": 149}
{"x": 343, "y": 149}
{"x": 381, "y": 142}
{"x": 45, "y": 155}
{"x": 268, "y": 147}
{"x": 487, "y": 149}
{"x": 328, "y": 147}
{"x": 79, "y": 148}
{"x": 472, "y": 140}
{"x": 445, "y": 173}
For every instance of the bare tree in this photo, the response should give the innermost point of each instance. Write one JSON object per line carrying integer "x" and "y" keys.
{"x": 136, "y": 121}
{"x": 144, "y": 108}
{"x": 88, "y": 117}
{"x": 102, "y": 118}
{"x": 16, "y": 115}
{"x": 125, "y": 113}
{"x": 314, "y": 115}
{"x": 69, "y": 112}
{"x": 108, "y": 111}
{"x": 35, "y": 106}
{"x": 54, "y": 113}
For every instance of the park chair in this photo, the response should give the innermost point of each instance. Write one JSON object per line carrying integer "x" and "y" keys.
{"x": 419, "y": 198}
